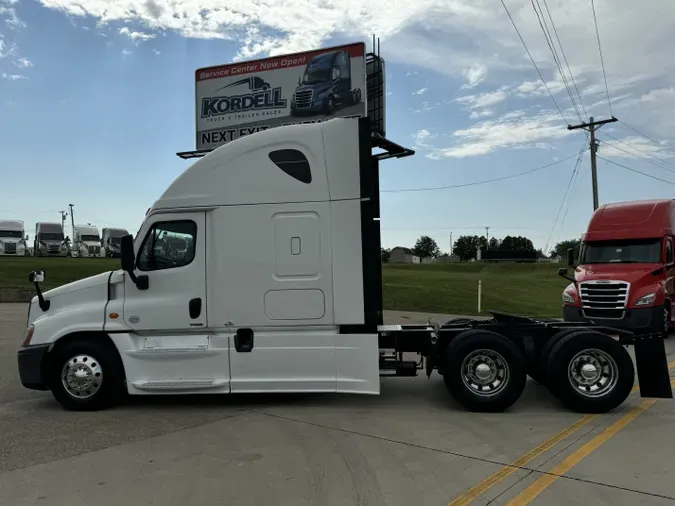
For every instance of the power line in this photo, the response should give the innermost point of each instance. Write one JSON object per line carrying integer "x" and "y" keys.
{"x": 569, "y": 184}
{"x": 602, "y": 62}
{"x": 636, "y": 171}
{"x": 533, "y": 62}
{"x": 660, "y": 164}
{"x": 573, "y": 192}
{"x": 562, "y": 49}
{"x": 474, "y": 183}
{"x": 646, "y": 136}
{"x": 556, "y": 58}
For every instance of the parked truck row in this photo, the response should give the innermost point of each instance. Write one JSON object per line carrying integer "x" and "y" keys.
{"x": 50, "y": 240}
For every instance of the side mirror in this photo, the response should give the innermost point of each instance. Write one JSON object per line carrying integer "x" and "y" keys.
{"x": 570, "y": 257}
{"x": 36, "y": 277}
{"x": 26, "y": 239}
{"x": 562, "y": 272}
{"x": 128, "y": 261}
{"x": 127, "y": 254}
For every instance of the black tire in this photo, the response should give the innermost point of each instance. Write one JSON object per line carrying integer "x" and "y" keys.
{"x": 509, "y": 366}
{"x": 616, "y": 373}
{"x": 106, "y": 392}
{"x": 538, "y": 370}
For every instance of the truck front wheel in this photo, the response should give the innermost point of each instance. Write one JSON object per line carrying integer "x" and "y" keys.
{"x": 590, "y": 372}
{"x": 484, "y": 371}
{"x": 85, "y": 375}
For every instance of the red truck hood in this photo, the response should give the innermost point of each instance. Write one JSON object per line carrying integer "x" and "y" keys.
{"x": 633, "y": 273}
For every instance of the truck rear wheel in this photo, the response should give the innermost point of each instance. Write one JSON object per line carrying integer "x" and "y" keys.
{"x": 538, "y": 370}
{"x": 86, "y": 375}
{"x": 484, "y": 371}
{"x": 590, "y": 372}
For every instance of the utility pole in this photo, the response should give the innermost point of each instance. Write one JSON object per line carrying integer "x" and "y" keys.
{"x": 487, "y": 238}
{"x": 63, "y": 218}
{"x": 451, "y": 243}
{"x": 592, "y": 127}
{"x": 72, "y": 221}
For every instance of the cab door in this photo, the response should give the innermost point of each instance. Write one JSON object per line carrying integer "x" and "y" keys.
{"x": 171, "y": 254}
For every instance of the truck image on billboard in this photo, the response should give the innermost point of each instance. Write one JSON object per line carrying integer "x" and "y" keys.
{"x": 243, "y": 98}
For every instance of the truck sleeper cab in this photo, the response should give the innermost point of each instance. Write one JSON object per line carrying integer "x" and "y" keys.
{"x": 49, "y": 240}
{"x": 12, "y": 238}
{"x": 626, "y": 268}
{"x": 258, "y": 270}
{"x": 86, "y": 241}
{"x": 111, "y": 239}
{"x": 326, "y": 85}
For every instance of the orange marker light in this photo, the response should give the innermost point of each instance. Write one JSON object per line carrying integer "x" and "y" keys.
{"x": 113, "y": 315}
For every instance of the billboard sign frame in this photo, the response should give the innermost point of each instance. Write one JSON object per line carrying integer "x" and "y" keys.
{"x": 238, "y": 99}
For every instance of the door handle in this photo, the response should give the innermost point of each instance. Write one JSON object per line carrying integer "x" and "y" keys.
{"x": 195, "y": 308}
{"x": 243, "y": 340}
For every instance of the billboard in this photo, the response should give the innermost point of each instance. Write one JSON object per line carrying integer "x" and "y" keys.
{"x": 243, "y": 98}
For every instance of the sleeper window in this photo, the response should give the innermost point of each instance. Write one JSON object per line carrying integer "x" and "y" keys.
{"x": 293, "y": 163}
{"x": 669, "y": 251}
{"x": 167, "y": 245}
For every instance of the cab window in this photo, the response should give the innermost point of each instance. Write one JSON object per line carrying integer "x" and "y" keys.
{"x": 168, "y": 244}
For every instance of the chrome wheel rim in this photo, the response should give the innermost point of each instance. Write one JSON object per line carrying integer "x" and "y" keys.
{"x": 593, "y": 373}
{"x": 82, "y": 376}
{"x": 485, "y": 372}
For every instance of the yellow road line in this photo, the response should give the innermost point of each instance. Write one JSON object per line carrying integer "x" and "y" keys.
{"x": 506, "y": 471}
{"x": 520, "y": 462}
{"x": 543, "y": 482}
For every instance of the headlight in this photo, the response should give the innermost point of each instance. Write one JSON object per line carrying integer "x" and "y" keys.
{"x": 568, "y": 298}
{"x": 646, "y": 300}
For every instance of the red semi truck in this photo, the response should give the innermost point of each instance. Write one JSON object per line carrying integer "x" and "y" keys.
{"x": 625, "y": 271}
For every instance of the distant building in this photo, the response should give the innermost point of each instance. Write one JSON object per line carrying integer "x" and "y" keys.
{"x": 447, "y": 259}
{"x": 401, "y": 255}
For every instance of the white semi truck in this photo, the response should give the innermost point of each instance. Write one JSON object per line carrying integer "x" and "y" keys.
{"x": 86, "y": 241}
{"x": 258, "y": 270}
{"x": 13, "y": 238}
{"x": 111, "y": 239}
{"x": 49, "y": 240}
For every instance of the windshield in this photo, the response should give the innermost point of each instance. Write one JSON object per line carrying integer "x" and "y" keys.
{"x": 316, "y": 75}
{"x": 54, "y": 236}
{"x": 625, "y": 251}
{"x": 90, "y": 238}
{"x": 11, "y": 234}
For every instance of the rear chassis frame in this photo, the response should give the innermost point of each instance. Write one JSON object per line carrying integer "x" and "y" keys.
{"x": 529, "y": 335}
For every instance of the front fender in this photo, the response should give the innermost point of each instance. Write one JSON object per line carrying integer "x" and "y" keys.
{"x": 50, "y": 329}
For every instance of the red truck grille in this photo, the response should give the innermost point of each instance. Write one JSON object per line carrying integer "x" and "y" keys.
{"x": 604, "y": 298}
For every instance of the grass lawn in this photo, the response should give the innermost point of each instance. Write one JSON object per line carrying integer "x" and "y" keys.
{"x": 59, "y": 271}
{"x": 529, "y": 289}
{"x": 526, "y": 289}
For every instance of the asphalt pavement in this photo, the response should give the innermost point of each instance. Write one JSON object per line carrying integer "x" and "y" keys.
{"x": 411, "y": 445}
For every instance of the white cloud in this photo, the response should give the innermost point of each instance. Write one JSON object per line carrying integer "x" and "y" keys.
{"x": 13, "y": 77}
{"x": 7, "y": 49}
{"x": 481, "y": 114}
{"x": 136, "y": 36}
{"x": 420, "y": 139}
{"x": 421, "y": 91}
{"x": 483, "y": 100}
{"x": 511, "y": 130}
{"x": 126, "y": 51}
{"x": 156, "y": 51}
{"x": 23, "y": 63}
{"x": 633, "y": 147}
{"x": 9, "y": 15}
{"x": 474, "y": 75}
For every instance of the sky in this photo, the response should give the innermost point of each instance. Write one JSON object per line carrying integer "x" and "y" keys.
{"x": 97, "y": 97}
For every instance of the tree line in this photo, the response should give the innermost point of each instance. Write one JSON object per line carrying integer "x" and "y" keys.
{"x": 465, "y": 247}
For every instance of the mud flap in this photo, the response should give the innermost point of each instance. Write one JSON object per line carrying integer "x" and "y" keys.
{"x": 652, "y": 368}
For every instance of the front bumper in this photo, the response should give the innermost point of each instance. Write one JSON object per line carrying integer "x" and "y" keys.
{"x": 30, "y": 366}
{"x": 645, "y": 320}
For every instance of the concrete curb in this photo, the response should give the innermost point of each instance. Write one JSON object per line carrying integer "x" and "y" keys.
{"x": 17, "y": 294}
